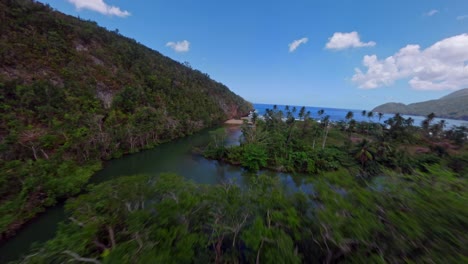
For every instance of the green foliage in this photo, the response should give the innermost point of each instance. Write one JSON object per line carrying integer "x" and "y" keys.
{"x": 97, "y": 95}
{"x": 141, "y": 219}
{"x": 138, "y": 219}
{"x": 382, "y": 197}
{"x": 254, "y": 157}
{"x": 216, "y": 148}
{"x": 425, "y": 215}
{"x": 459, "y": 164}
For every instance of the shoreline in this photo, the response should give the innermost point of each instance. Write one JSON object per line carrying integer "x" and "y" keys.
{"x": 235, "y": 121}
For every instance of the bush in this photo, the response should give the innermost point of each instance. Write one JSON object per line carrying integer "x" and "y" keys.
{"x": 254, "y": 157}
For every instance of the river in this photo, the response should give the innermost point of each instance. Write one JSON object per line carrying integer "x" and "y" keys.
{"x": 176, "y": 156}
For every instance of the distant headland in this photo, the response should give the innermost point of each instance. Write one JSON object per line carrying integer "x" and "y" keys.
{"x": 453, "y": 106}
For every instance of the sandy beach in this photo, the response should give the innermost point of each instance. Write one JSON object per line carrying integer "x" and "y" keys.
{"x": 237, "y": 121}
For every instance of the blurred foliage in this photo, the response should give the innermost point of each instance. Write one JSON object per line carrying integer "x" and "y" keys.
{"x": 390, "y": 192}
{"x": 416, "y": 218}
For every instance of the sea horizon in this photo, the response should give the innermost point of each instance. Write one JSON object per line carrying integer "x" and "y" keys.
{"x": 339, "y": 114}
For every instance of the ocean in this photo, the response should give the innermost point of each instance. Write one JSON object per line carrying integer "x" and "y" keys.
{"x": 338, "y": 114}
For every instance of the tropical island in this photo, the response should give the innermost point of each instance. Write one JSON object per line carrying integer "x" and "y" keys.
{"x": 148, "y": 160}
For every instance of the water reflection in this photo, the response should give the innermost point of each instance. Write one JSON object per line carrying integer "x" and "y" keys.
{"x": 174, "y": 157}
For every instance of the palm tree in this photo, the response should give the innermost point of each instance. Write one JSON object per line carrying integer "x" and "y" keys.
{"x": 326, "y": 127}
{"x": 431, "y": 117}
{"x": 364, "y": 154}
{"x": 363, "y": 113}
{"x": 361, "y": 128}
{"x": 370, "y": 115}
{"x": 380, "y": 116}
{"x": 349, "y": 116}
{"x": 320, "y": 112}
{"x": 409, "y": 121}
{"x": 352, "y": 125}
{"x": 316, "y": 128}
{"x": 254, "y": 118}
{"x": 442, "y": 124}
{"x": 438, "y": 128}
{"x": 383, "y": 148}
{"x": 426, "y": 123}
{"x": 302, "y": 113}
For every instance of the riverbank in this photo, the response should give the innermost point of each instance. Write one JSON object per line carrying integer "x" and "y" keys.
{"x": 171, "y": 156}
{"x": 237, "y": 121}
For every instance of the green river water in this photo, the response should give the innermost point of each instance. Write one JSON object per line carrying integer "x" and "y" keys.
{"x": 176, "y": 157}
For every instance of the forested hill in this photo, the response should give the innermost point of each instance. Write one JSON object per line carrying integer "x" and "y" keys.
{"x": 73, "y": 93}
{"x": 453, "y": 106}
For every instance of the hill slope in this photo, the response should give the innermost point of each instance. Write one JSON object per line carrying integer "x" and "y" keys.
{"x": 73, "y": 93}
{"x": 454, "y": 106}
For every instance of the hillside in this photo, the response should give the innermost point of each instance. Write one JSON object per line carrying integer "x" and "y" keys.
{"x": 73, "y": 94}
{"x": 454, "y": 106}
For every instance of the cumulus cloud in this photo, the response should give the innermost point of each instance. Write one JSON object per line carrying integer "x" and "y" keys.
{"x": 296, "y": 43}
{"x": 179, "y": 46}
{"x": 99, "y": 6}
{"x": 462, "y": 17}
{"x": 340, "y": 41}
{"x": 442, "y": 66}
{"x": 432, "y": 12}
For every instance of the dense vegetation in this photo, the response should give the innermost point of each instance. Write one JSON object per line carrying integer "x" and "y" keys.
{"x": 292, "y": 141}
{"x": 370, "y": 195}
{"x": 73, "y": 93}
{"x": 451, "y": 106}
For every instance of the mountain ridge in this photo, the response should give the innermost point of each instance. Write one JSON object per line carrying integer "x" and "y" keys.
{"x": 453, "y": 106}
{"x": 73, "y": 94}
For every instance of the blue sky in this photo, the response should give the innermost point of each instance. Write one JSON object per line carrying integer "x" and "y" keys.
{"x": 303, "y": 52}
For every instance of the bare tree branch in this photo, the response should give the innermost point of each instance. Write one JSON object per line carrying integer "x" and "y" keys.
{"x": 79, "y": 258}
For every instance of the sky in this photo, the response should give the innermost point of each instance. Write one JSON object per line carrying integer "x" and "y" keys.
{"x": 353, "y": 54}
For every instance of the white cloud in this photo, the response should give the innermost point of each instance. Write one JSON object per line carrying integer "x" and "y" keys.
{"x": 442, "y": 66}
{"x": 99, "y": 6}
{"x": 179, "y": 46}
{"x": 296, "y": 43}
{"x": 340, "y": 41}
{"x": 432, "y": 12}
{"x": 462, "y": 17}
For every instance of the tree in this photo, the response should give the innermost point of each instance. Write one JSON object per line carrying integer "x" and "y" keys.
{"x": 302, "y": 113}
{"x": 320, "y": 112}
{"x": 431, "y": 117}
{"x": 380, "y": 116}
{"x": 370, "y": 115}
{"x": 364, "y": 154}
{"x": 254, "y": 157}
{"x": 326, "y": 126}
{"x": 426, "y": 123}
{"x": 254, "y": 118}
